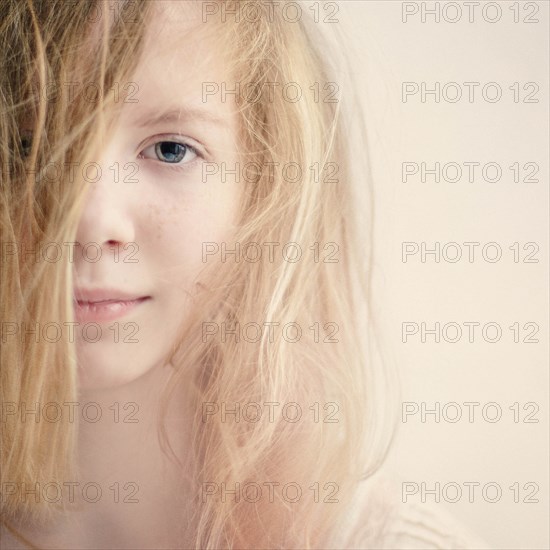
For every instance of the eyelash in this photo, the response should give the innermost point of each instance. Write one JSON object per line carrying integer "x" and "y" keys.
{"x": 176, "y": 166}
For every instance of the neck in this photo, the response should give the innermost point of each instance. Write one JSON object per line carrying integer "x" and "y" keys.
{"x": 129, "y": 492}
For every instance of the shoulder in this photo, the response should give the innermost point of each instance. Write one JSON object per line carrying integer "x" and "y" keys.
{"x": 421, "y": 527}
{"x": 379, "y": 522}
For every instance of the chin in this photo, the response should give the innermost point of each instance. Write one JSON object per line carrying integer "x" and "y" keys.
{"x": 105, "y": 370}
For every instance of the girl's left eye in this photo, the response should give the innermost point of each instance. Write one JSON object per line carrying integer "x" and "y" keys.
{"x": 171, "y": 152}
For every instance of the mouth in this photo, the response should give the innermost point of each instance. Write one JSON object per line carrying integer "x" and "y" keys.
{"x": 89, "y": 309}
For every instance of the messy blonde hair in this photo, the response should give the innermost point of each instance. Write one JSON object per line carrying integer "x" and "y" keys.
{"x": 42, "y": 43}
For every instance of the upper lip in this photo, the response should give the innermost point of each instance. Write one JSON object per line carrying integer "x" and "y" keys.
{"x": 105, "y": 295}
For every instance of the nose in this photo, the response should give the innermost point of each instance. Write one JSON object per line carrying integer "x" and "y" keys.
{"x": 106, "y": 220}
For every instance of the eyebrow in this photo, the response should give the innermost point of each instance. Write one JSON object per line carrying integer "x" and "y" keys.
{"x": 177, "y": 115}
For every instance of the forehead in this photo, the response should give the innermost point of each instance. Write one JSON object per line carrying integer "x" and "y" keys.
{"x": 180, "y": 53}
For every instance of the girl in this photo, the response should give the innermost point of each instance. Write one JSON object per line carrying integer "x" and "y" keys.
{"x": 186, "y": 360}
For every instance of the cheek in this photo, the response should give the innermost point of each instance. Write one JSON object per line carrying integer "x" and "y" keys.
{"x": 179, "y": 225}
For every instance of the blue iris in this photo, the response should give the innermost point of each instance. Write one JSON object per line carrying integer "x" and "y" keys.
{"x": 171, "y": 151}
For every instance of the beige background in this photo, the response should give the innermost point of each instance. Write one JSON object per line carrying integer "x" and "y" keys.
{"x": 390, "y": 52}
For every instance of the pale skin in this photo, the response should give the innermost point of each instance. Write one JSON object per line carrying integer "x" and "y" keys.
{"x": 169, "y": 213}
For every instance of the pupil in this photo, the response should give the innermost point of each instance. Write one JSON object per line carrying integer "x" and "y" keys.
{"x": 171, "y": 151}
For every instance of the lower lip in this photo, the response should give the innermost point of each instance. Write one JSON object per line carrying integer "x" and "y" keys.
{"x": 98, "y": 312}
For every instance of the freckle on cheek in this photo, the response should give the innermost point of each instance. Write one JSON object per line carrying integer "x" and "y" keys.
{"x": 156, "y": 219}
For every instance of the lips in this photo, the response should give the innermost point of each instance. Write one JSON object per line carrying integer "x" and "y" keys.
{"x": 103, "y": 305}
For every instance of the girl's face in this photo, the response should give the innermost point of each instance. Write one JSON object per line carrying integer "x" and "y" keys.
{"x": 152, "y": 209}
